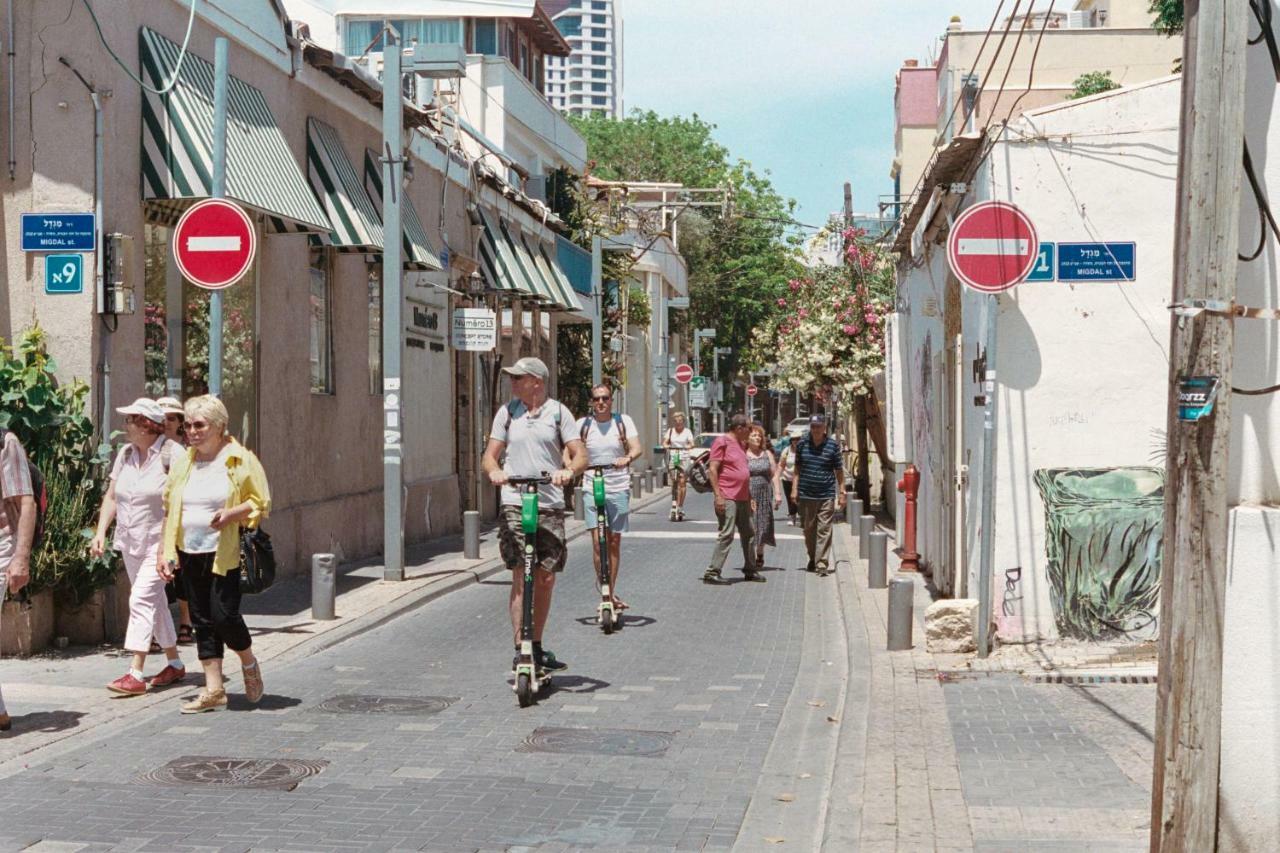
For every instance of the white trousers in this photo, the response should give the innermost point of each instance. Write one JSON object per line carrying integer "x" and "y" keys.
{"x": 4, "y": 586}
{"x": 148, "y": 606}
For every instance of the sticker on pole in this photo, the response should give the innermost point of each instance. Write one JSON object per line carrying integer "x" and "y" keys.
{"x": 992, "y": 246}
{"x": 214, "y": 243}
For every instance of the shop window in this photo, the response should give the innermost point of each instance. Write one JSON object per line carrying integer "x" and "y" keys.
{"x": 321, "y": 318}
{"x": 375, "y": 329}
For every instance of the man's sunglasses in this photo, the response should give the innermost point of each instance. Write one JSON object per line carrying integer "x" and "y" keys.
{"x": 605, "y": 397}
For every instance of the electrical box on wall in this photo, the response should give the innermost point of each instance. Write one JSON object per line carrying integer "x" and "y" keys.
{"x": 116, "y": 293}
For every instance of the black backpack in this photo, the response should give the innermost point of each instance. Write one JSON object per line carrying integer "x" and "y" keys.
{"x": 617, "y": 419}
{"x": 37, "y": 490}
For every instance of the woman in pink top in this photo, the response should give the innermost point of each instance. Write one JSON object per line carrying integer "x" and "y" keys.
{"x": 135, "y": 501}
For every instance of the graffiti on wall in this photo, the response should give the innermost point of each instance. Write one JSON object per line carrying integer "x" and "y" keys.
{"x": 1009, "y": 622}
{"x": 1103, "y": 530}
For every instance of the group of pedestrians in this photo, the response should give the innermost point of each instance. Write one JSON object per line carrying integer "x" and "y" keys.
{"x": 180, "y": 490}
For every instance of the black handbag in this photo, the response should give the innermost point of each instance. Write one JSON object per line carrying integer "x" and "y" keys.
{"x": 257, "y": 561}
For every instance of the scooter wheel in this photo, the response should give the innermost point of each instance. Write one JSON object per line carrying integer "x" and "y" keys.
{"x": 607, "y": 622}
{"x": 617, "y": 621}
{"x": 524, "y": 691}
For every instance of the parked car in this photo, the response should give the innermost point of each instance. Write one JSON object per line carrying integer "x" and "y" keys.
{"x": 797, "y": 428}
{"x": 702, "y": 444}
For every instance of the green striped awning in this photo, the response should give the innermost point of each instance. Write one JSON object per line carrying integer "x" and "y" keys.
{"x": 356, "y": 225}
{"x": 177, "y": 144}
{"x": 418, "y": 254}
{"x": 540, "y": 286}
{"x": 552, "y": 273}
{"x": 498, "y": 261}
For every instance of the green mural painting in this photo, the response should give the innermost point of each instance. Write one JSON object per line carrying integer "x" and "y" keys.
{"x": 1103, "y": 529}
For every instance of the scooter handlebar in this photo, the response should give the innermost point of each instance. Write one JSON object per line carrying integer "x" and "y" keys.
{"x": 544, "y": 480}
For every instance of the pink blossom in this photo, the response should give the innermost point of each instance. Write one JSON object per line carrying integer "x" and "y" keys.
{"x": 804, "y": 312}
{"x": 782, "y": 303}
{"x": 848, "y": 329}
{"x": 794, "y": 285}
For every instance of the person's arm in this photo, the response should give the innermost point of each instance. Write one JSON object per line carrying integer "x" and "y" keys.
{"x": 839, "y": 486}
{"x": 489, "y": 462}
{"x": 20, "y": 566}
{"x": 795, "y": 479}
{"x": 776, "y": 467}
{"x": 713, "y": 471}
{"x": 577, "y": 459}
{"x": 666, "y": 439}
{"x": 634, "y": 452}
{"x": 106, "y": 515}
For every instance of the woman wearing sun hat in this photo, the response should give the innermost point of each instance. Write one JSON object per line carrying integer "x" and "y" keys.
{"x": 135, "y": 502}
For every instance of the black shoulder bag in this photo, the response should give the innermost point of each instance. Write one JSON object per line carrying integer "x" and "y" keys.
{"x": 257, "y": 561}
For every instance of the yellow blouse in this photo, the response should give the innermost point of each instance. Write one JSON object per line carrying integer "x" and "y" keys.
{"x": 248, "y": 483}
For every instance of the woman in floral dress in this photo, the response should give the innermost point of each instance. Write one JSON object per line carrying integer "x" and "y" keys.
{"x": 766, "y": 490}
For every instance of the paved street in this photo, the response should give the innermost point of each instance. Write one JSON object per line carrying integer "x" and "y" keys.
{"x": 720, "y": 717}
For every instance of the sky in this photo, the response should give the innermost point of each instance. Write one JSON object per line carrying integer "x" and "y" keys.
{"x": 803, "y": 89}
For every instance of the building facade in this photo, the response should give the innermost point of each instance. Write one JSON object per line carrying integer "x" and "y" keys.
{"x": 589, "y": 80}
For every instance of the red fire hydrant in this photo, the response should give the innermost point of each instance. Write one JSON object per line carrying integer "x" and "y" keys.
{"x": 910, "y": 486}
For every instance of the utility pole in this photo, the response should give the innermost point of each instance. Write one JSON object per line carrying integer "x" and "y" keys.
{"x": 392, "y": 303}
{"x": 1184, "y": 793}
{"x": 219, "y": 189}
{"x": 597, "y": 322}
{"x": 862, "y": 478}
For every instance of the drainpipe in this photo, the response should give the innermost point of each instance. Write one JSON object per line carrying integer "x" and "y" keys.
{"x": 13, "y": 159}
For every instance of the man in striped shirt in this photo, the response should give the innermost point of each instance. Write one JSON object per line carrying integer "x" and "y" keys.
{"x": 819, "y": 488}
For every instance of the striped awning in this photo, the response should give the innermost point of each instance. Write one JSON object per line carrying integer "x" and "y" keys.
{"x": 418, "y": 254}
{"x": 498, "y": 261}
{"x": 552, "y": 272}
{"x": 177, "y": 144}
{"x": 337, "y": 186}
{"x": 524, "y": 261}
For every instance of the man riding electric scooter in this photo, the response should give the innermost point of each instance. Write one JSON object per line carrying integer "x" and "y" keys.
{"x": 612, "y": 445}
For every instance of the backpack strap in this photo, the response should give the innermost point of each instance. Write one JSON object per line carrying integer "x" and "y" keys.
{"x": 617, "y": 419}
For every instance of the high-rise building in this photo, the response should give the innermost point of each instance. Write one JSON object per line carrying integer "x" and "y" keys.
{"x": 590, "y": 79}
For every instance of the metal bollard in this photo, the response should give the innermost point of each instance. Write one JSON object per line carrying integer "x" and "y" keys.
{"x": 866, "y": 524}
{"x": 324, "y": 586}
{"x": 648, "y": 481}
{"x": 662, "y": 478}
{"x": 878, "y": 561}
{"x": 635, "y": 484}
{"x": 580, "y": 504}
{"x": 854, "y": 512}
{"x": 471, "y": 534}
{"x": 901, "y": 592}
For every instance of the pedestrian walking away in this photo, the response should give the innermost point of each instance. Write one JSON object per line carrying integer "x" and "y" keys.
{"x": 731, "y": 485}
{"x": 18, "y": 511}
{"x": 787, "y": 464}
{"x": 678, "y": 441}
{"x": 819, "y": 489}
{"x": 175, "y": 430}
{"x": 214, "y": 489}
{"x": 134, "y": 501}
{"x": 533, "y": 431}
{"x": 611, "y": 441}
{"x": 766, "y": 489}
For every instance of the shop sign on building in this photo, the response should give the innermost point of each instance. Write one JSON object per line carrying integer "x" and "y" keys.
{"x": 474, "y": 329}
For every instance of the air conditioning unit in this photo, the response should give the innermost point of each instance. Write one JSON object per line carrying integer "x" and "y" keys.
{"x": 439, "y": 61}
{"x": 1079, "y": 20}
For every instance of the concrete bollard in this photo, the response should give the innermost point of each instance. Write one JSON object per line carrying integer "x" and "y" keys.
{"x": 901, "y": 593}
{"x": 662, "y": 478}
{"x": 854, "y": 512}
{"x": 866, "y": 524}
{"x": 580, "y": 504}
{"x": 635, "y": 484}
{"x": 324, "y": 587}
{"x": 877, "y": 563}
{"x": 649, "y": 480}
{"x": 471, "y": 534}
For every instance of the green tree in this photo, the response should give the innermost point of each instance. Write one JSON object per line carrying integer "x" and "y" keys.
{"x": 1169, "y": 16}
{"x": 1092, "y": 83}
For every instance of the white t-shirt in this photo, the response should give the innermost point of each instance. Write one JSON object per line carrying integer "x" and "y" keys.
{"x": 15, "y": 481}
{"x": 604, "y": 444}
{"x": 206, "y": 492}
{"x": 682, "y": 440}
{"x": 532, "y": 447}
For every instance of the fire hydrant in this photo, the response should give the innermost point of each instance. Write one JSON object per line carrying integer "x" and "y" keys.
{"x": 910, "y": 486}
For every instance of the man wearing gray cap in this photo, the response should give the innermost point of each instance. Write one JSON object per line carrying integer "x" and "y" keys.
{"x": 819, "y": 484}
{"x": 533, "y": 430}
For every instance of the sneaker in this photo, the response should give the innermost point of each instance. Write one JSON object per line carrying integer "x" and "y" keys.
{"x": 712, "y": 576}
{"x": 127, "y": 685}
{"x": 169, "y": 675}
{"x": 680, "y": 515}
{"x": 755, "y": 577}
{"x": 547, "y": 662}
{"x": 811, "y": 567}
{"x": 206, "y": 700}
{"x": 253, "y": 687}
{"x": 672, "y": 516}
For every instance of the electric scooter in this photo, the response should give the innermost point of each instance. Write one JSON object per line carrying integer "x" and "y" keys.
{"x": 607, "y": 615}
{"x": 529, "y": 682}
{"x": 677, "y": 470}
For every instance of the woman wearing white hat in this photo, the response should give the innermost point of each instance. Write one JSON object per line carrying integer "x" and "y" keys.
{"x": 135, "y": 501}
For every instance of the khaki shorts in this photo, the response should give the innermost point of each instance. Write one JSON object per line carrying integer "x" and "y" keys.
{"x": 550, "y": 545}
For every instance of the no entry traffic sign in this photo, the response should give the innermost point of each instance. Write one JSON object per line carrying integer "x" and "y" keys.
{"x": 684, "y": 373}
{"x": 751, "y": 390}
{"x": 214, "y": 243}
{"x": 992, "y": 246}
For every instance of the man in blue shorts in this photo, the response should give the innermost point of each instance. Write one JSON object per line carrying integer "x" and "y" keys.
{"x": 612, "y": 441}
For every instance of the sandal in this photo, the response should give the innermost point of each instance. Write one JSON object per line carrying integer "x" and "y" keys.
{"x": 185, "y": 635}
{"x": 619, "y": 604}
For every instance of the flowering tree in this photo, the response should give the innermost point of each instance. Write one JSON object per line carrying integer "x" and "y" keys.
{"x": 827, "y": 333}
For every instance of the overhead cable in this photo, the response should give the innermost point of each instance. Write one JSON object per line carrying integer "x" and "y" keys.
{"x": 177, "y": 68}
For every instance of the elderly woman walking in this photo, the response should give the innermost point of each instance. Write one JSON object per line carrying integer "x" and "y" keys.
{"x": 174, "y": 416}
{"x": 766, "y": 490}
{"x": 214, "y": 490}
{"x": 135, "y": 502}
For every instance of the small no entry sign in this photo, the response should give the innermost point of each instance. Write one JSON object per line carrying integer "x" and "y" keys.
{"x": 992, "y": 246}
{"x": 214, "y": 243}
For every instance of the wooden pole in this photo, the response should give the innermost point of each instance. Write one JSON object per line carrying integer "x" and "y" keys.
{"x": 1184, "y": 802}
{"x": 862, "y": 475}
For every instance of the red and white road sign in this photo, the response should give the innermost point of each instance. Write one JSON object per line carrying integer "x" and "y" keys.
{"x": 214, "y": 243}
{"x": 683, "y": 374}
{"x": 751, "y": 390}
{"x": 992, "y": 246}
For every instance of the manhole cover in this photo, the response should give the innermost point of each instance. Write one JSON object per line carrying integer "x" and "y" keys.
{"x": 400, "y": 705}
{"x": 282, "y": 773}
{"x": 597, "y": 742}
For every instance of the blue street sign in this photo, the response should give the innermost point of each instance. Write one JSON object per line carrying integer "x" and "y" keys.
{"x": 57, "y": 232}
{"x": 64, "y": 274}
{"x": 1096, "y": 261}
{"x": 1043, "y": 270}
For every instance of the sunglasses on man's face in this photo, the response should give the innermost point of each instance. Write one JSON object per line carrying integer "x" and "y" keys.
{"x": 606, "y": 398}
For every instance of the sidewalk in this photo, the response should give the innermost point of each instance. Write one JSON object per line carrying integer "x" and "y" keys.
{"x": 947, "y": 759}
{"x": 58, "y": 698}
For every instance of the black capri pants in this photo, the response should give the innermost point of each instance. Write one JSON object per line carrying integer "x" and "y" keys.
{"x": 215, "y": 606}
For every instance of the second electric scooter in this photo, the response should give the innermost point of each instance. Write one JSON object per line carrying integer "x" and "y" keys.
{"x": 607, "y": 615}
{"x": 529, "y": 682}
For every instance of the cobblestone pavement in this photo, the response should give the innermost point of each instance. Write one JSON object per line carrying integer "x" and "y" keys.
{"x": 700, "y": 676}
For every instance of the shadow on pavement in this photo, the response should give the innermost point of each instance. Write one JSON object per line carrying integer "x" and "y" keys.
{"x": 44, "y": 721}
{"x": 574, "y": 684}
{"x": 269, "y": 702}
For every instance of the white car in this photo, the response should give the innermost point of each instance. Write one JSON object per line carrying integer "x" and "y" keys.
{"x": 798, "y": 428}
{"x": 702, "y": 445}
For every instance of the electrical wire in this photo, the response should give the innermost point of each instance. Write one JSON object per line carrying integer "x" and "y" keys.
{"x": 1256, "y": 392}
{"x": 1026, "y": 19}
{"x": 182, "y": 54}
{"x": 1031, "y": 72}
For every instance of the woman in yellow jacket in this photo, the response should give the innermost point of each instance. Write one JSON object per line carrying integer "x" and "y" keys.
{"x": 213, "y": 490}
